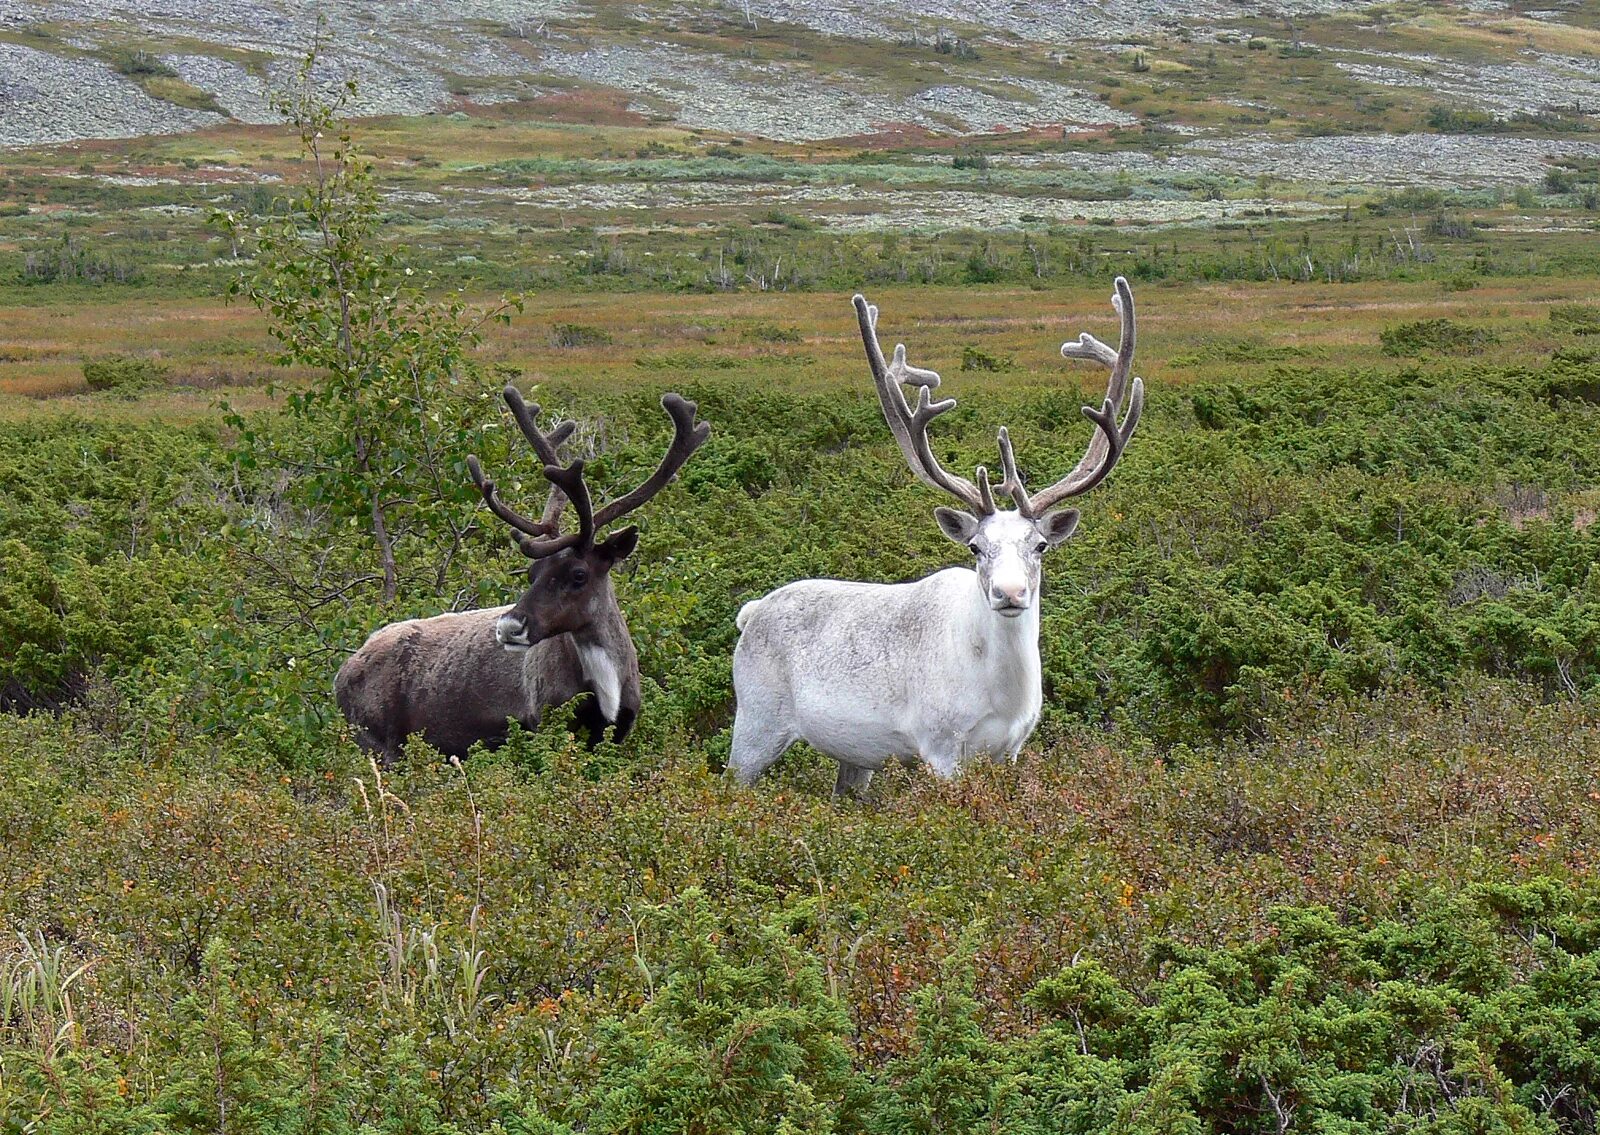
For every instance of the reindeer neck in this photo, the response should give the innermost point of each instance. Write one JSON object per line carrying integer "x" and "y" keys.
{"x": 1020, "y": 634}
{"x": 606, "y": 653}
{"x": 1007, "y": 651}
{"x": 609, "y": 630}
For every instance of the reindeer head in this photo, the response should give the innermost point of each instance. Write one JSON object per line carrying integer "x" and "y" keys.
{"x": 569, "y": 578}
{"x": 1009, "y": 544}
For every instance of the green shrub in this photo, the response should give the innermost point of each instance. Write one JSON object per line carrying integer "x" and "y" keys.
{"x": 127, "y": 373}
{"x": 771, "y": 333}
{"x": 1454, "y": 228}
{"x": 1474, "y": 1012}
{"x": 738, "y": 1034}
{"x": 1558, "y": 180}
{"x": 1576, "y": 318}
{"x": 1411, "y": 199}
{"x": 71, "y": 260}
{"x": 690, "y": 360}
{"x": 1434, "y": 336}
{"x": 139, "y": 64}
{"x": 734, "y": 463}
{"x": 982, "y": 268}
{"x": 1239, "y": 351}
{"x": 58, "y": 626}
{"x": 792, "y": 221}
{"x": 578, "y": 335}
{"x": 1463, "y": 120}
{"x": 975, "y": 359}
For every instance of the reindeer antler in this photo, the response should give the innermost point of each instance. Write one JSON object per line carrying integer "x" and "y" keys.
{"x": 687, "y": 436}
{"x": 545, "y": 447}
{"x": 542, "y": 538}
{"x": 567, "y": 484}
{"x": 1105, "y": 448}
{"x": 910, "y": 427}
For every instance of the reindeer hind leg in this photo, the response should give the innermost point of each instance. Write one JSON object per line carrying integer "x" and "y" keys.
{"x": 758, "y": 742}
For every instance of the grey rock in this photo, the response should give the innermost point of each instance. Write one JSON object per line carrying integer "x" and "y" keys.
{"x": 53, "y": 98}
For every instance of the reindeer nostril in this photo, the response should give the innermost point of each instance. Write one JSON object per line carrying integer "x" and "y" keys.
{"x": 511, "y": 630}
{"x": 1009, "y": 596}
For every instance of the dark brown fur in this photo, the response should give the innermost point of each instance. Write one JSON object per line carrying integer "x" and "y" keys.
{"x": 456, "y": 680}
{"x": 448, "y": 679}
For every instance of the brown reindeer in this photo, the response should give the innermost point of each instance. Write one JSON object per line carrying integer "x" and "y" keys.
{"x": 457, "y": 678}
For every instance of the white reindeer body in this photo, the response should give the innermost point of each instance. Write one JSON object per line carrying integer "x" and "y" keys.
{"x": 883, "y": 682}
{"x": 943, "y": 670}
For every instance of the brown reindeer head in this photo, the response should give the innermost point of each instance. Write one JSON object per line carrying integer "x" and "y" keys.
{"x": 569, "y": 580}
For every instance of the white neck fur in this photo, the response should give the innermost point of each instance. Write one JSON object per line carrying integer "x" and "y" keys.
{"x": 601, "y": 671}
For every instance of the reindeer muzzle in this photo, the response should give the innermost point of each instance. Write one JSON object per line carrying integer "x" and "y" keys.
{"x": 511, "y": 632}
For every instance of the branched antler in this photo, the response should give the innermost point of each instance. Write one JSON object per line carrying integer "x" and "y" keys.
{"x": 910, "y": 427}
{"x": 546, "y": 447}
{"x": 568, "y": 482}
{"x": 1105, "y": 448}
{"x": 687, "y": 436}
{"x": 543, "y": 537}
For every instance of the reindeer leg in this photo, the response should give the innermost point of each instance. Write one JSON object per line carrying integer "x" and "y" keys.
{"x": 626, "y": 716}
{"x": 381, "y": 749}
{"x": 852, "y": 780}
{"x": 587, "y": 714}
{"x": 757, "y": 745}
{"x": 942, "y": 755}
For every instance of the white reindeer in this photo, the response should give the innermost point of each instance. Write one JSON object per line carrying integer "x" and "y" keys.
{"x": 944, "y": 669}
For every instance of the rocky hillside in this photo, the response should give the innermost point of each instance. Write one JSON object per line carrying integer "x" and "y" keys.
{"x": 803, "y": 71}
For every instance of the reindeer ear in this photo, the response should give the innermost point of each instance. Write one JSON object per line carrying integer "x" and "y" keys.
{"x": 959, "y": 526}
{"x": 1055, "y": 527}
{"x": 619, "y": 545}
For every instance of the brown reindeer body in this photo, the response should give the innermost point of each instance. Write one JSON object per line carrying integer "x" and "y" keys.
{"x": 457, "y": 679}
{"x": 448, "y": 679}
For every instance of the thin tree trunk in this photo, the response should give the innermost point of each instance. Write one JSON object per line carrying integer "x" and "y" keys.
{"x": 380, "y": 533}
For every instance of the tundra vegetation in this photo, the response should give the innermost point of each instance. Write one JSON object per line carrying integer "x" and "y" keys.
{"x": 1304, "y": 841}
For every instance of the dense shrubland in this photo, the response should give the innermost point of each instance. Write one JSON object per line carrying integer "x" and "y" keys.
{"x": 1303, "y": 843}
{"x": 1326, "y": 643}
{"x": 1281, "y": 532}
{"x": 1090, "y": 940}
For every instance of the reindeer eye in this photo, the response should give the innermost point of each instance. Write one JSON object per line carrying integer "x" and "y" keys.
{"x": 578, "y": 578}
{"x": 1041, "y": 547}
{"x": 973, "y": 547}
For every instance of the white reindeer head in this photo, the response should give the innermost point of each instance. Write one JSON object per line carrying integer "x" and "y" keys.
{"x": 1009, "y": 544}
{"x": 1010, "y": 549}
